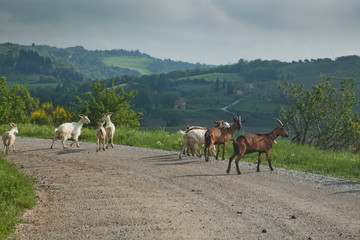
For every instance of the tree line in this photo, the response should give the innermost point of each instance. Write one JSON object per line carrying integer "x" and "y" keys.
{"x": 18, "y": 106}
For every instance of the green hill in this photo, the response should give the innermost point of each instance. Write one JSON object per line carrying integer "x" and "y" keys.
{"x": 170, "y": 93}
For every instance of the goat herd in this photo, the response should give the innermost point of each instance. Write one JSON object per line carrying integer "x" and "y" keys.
{"x": 193, "y": 137}
{"x": 221, "y": 135}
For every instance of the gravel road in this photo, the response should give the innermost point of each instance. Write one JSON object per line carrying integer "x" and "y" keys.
{"x": 137, "y": 193}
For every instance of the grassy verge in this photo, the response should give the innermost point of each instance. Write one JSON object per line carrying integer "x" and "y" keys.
{"x": 16, "y": 194}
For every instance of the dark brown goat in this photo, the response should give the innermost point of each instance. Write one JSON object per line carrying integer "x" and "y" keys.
{"x": 261, "y": 143}
{"x": 218, "y": 136}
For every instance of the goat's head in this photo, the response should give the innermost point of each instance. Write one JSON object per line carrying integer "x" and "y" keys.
{"x": 100, "y": 123}
{"x": 238, "y": 121}
{"x": 14, "y": 128}
{"x": 280, "y": 131}
{"x": 107, "y": 116}
{"x": 85, "y": 119}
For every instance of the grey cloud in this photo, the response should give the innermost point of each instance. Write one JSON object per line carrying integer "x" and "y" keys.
{"x": 206, "y": 31}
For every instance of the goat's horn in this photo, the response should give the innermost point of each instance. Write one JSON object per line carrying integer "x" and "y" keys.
{"x": 279, "y": 121}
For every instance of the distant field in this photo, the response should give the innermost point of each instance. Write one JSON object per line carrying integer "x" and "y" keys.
{"x": 232, "y": 77}
{"x": 138, "y": 64}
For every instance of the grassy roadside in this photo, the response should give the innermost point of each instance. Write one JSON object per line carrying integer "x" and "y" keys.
{"x": 16, "y": 194}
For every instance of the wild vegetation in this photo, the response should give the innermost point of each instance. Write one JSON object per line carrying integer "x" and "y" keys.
{"x": 16, "y": 194}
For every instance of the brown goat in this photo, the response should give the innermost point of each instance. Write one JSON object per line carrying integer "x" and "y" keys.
{"x": 218, "y": 136}
{"x": 218, "y": 124}
{"x": 261, "y": 143}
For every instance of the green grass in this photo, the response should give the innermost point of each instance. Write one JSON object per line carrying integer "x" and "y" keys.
{"x": 138, "y": 64}
{"x": 16, "y": 194}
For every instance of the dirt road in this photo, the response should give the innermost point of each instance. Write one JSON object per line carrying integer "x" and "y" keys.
{"x": 136, "y": 193}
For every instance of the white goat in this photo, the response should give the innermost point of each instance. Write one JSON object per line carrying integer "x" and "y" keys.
{"x": 9, "y": 138}
{"x": 70, "y": 130}
{"x": 101, "y": 134}
{"x": 109, "y": 128}
{"x": 194, "y": 136}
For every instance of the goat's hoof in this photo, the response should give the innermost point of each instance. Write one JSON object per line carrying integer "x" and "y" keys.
{"x": 258, "y": 170}
{"x": 271, "y": 169}
{"x": 227, "y": 171}
{"x": 239, "y": 173}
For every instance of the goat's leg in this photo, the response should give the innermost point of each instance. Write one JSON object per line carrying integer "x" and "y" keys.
{"x": 103, "y": 144}
{"x": 112, "y": 141}
{"x": 182, "y": 151}
{"x": 207, "y": 149}
{"x": 54, "y": 140}
{"x": 224, "y": 147}
{"x": 230, "y": 160}
{"x": 241, "y": 155}
{"x": 206, "y": 159}
{"x": 63, "y": 142}
{"x": 269, "y": 160}
{"x": 200, "y": 152}
{"x": 107, "y": 140}
{"x": 217, "y": 152}
{"x": 13, "y": 147}
{"x": 97, "y": 145}
{"x": 259, "y": 161}
{"x": 76, "y": 141}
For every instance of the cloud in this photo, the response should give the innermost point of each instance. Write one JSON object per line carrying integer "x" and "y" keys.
{"x": 206, "y": 31}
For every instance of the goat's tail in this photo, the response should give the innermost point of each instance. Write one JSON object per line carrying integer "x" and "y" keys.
{"x": 207, "y": 139}
{"x": 56, "y": 129}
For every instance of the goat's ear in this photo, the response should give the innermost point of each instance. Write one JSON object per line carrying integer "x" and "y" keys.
{"x": 80, "y": 116}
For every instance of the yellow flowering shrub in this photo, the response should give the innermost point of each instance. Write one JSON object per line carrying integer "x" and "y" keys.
{"x": 60, "y": 115}
{"x": 40, "y": 117}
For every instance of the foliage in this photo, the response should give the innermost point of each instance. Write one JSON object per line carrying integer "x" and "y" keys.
{"x": 102, "y": 100}
{"x": 48, "y": 115}
{"x": 321, "y": 117}
{"x": 16, "y": 194}
{"x": 15, "y": 104}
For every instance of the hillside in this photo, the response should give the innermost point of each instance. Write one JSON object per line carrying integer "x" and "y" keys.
{"x": 248, "y": 88}
{"x": 65, "y": 63}
{"x": 169, "y": 93}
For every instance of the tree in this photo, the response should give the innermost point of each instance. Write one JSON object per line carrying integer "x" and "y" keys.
{"x": 321, "y": 117}
{"x": 16, "y": 104}
{"x": 102, "y": 100}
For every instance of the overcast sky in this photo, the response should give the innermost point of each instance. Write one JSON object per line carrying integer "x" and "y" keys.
{"x": 204, "y": 31}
